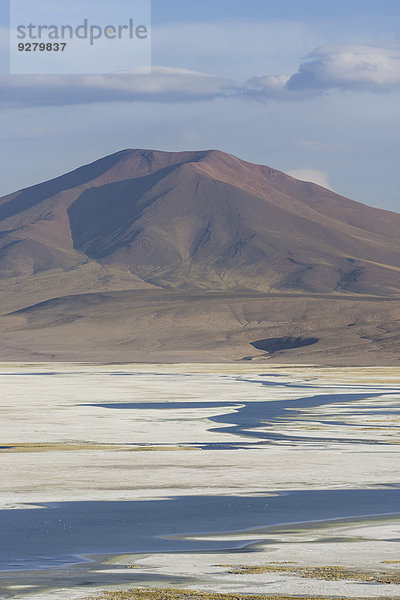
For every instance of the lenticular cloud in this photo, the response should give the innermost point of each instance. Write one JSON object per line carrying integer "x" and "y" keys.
{"x": 348, "y": 67}
{"x": 328, "y": 68}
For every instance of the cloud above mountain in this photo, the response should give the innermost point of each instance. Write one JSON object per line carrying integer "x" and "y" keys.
{"x": 345, "y": 68}
{"x": 164, "y": 85}
{"x": 359, "y": 68}
{"x": 313, "y": 176}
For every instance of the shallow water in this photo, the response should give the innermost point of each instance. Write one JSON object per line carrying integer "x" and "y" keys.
{"x": 249, "y": 416}
{"x": 63, "y": 532}
{"x": 276, "y": 416}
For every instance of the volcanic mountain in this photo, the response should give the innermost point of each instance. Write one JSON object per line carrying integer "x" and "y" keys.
{"x": 148, "y": 255}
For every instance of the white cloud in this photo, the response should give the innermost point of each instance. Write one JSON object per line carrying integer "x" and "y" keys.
{"x": 359, "y": 68}
{"x": 348, "y": 67}
{"x": 164, "y": 85}
{"x": 362, "y": 68}
{"x": 312, "y": 175}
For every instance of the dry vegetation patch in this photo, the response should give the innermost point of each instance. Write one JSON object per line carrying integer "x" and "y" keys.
{"x": 79, "y": 446}
{"x": 329, "y": 573}
{"x": 178, "y": 594}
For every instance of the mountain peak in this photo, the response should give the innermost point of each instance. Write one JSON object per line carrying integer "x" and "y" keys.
{"x": 201, "y": 220}
{"x": 151, "y": 255}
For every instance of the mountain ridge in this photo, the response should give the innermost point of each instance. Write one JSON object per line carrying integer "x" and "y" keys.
{"x": 149, "y": 222}
{"x": 146, "y": 179}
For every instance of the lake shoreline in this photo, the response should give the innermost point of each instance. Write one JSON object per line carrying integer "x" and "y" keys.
{"x": 118, "y": 435}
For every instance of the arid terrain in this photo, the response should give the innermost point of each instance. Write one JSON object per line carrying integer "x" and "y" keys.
{"x": 196, "y": 256}
{"x": 126, "y": 482}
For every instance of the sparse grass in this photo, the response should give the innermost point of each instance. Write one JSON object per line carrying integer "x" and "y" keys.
{"x": 161, "y": 448}
{"x": 331, "y": 573}
{"x": 54, "y": 447}
{"x": 178, "y": 594}
{"x": 283, "y": 562}
{"x": 79, "y": 446}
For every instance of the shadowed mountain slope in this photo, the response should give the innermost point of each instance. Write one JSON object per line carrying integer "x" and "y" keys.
{"x": 193, "y": 222}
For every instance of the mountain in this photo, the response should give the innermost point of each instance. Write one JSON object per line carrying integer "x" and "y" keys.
{"x": 142, "y": 250}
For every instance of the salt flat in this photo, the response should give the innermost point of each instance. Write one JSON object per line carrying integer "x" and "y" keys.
{"x": 205, "y": 430}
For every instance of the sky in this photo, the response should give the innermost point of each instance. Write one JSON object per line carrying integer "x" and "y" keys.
{"x": 308, "y": 87}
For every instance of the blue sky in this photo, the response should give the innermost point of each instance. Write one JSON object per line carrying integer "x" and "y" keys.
{"x": 181, "y": 10}
{"x": 172, "y": 11}
{"x": 311, "y": 88}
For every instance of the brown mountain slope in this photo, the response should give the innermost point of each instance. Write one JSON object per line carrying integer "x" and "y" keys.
{"x": 196, "y": 222}
{"x": 173, "y": 326}
{"x": 200, "y": 220}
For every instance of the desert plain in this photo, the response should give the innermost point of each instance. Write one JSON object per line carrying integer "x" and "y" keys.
{"x": 121, "y": 480}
